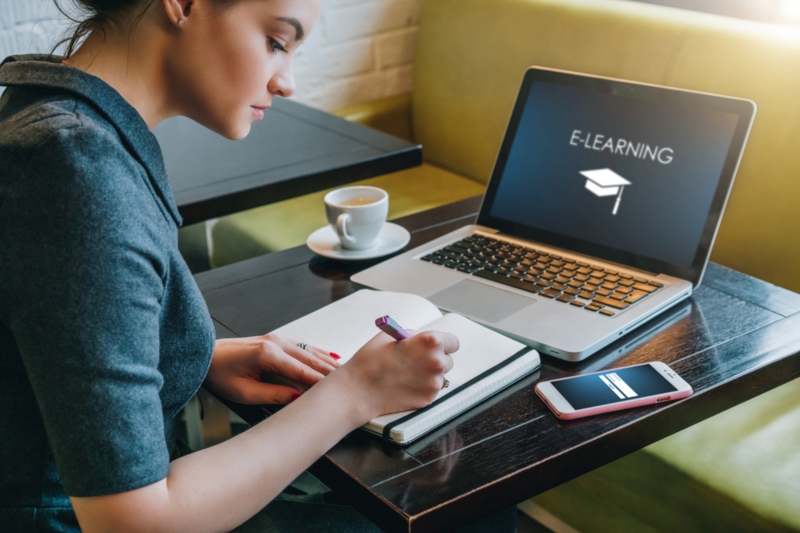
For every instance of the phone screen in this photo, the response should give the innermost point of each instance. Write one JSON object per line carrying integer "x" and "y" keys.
{"x": 613, "y": 386}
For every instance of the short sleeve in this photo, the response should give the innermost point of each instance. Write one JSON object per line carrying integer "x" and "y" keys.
{"x": 83, "y": 277}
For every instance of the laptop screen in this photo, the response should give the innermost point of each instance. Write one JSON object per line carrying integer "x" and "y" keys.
{"x": 625, "y": 172}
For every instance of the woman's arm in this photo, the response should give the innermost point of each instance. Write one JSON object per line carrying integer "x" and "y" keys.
{"x": 219, "y": 488}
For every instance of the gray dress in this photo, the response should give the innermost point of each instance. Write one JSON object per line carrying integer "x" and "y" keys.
{"x": 104, "y": 335}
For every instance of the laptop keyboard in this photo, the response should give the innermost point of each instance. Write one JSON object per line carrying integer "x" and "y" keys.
{"x": 591, "y": 287}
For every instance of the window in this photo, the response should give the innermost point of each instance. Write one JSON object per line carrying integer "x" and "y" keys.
{"x": 785, "y": 12}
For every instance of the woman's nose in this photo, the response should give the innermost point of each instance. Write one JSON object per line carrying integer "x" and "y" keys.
{"x": 282, "y": 84}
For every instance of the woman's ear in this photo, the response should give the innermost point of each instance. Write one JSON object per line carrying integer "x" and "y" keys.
{"x": 178, "y": 11}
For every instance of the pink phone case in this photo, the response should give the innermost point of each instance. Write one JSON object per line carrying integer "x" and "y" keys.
{"x": 611, "y": 407}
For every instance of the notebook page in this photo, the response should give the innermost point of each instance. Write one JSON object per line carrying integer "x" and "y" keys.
{"x": 346, "y": 325}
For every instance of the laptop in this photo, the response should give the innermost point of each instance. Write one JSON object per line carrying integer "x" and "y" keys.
{"x": 600, "y": 213}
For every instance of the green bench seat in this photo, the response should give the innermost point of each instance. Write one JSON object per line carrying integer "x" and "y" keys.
{"x": 736, "y": 472}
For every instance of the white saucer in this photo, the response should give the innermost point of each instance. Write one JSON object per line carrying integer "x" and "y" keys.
{"x": 391, "y": 239}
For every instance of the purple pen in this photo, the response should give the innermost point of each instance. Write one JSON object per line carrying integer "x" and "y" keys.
{"x": 390, "y": 327}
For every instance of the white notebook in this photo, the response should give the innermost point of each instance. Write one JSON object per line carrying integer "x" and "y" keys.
{"x": 485, "y": 363}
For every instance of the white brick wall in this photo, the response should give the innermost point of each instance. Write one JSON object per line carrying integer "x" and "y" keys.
{"x": 361, "y": 50}
{"x": 28, "y": 26}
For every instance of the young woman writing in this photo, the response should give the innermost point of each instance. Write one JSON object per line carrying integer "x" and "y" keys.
{"x": 104, "y": 336}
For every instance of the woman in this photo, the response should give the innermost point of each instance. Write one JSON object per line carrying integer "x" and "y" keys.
{"x": 104, "y": 336}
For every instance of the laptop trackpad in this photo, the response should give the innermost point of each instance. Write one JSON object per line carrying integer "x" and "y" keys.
{"x": 480, "y": 301}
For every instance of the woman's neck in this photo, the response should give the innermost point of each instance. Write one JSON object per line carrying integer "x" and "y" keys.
{"x": 129, "y": 64}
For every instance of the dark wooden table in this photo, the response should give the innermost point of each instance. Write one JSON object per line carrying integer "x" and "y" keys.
{"x": 737, "y": 337}
{"x": 295, "y": 150}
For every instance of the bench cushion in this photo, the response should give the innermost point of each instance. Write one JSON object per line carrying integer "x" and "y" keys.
{"x": 749, "y": 453}
{"x": 737, "y": 471}
{"x": 286, "y": 224}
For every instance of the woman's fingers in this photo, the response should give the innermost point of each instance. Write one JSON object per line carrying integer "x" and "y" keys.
{"x": 328, "y": 357}
{"x": 295, "y": 369}
{"x": 439, "y": 343}
{"x": 448, "y": 363}
{"x": 312, "y": 357}
{"x": 450, "y": 343}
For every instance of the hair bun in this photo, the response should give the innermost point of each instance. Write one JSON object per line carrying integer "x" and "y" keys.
{"x": 106, "y": 6}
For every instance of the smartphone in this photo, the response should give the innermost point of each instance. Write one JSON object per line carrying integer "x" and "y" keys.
{"x": 612, "y": 390}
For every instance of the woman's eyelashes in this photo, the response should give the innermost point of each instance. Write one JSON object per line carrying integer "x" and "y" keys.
{"x": 275, "y": 46}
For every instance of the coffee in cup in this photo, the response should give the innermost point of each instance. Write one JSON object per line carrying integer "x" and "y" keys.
{"x": 359, "y": 201}
{"x": 357, "y": 215}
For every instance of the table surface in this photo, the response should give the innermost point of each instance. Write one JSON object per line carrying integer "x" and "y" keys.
{"x": 295, "y": 150}
{"x": 735, "y": 338}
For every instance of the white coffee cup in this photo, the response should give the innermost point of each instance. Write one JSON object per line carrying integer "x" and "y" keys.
{"x": 357, "y": 215}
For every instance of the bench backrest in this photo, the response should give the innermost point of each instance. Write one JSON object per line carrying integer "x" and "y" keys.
{"x": 471, "y": 55}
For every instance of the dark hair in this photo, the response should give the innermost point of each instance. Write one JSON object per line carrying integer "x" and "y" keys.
{"x": 93, "y": 15}
{"x": 100, "y": 14}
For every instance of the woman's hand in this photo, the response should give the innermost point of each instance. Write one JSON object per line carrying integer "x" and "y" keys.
{"x": 237, "y": 365}
{"x": 387, "y": 376}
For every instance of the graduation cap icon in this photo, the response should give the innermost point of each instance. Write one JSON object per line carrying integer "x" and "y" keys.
{"x": 606, "y": 182}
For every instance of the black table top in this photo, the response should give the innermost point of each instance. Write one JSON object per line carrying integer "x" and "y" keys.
{"x": 295, "y": 150}
{"x": 735, "y": 338}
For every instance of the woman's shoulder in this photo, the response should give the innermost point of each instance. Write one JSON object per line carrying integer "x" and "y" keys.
{"x": 59, "y": 155}
{"x": 54, "y": 139}
{"x": 30, "y": 118}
